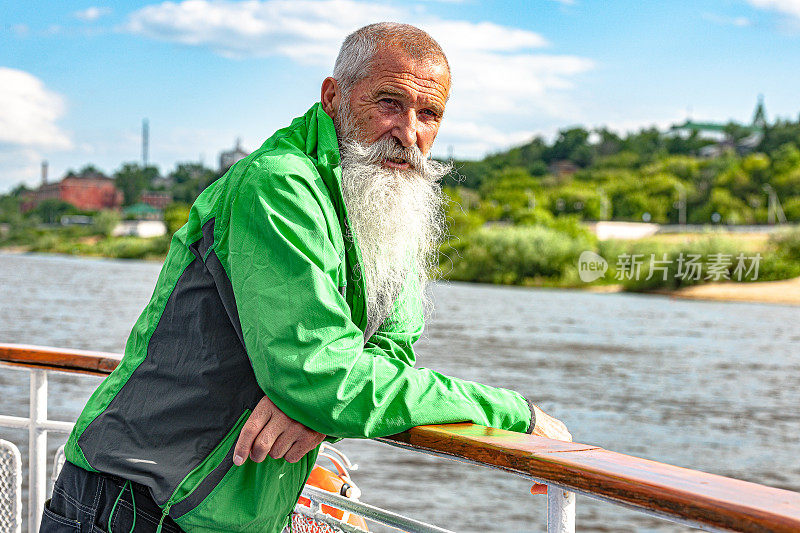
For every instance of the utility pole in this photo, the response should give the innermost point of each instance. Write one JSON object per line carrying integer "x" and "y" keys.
{"x": 681, "y": 204}
{"x": 145, "y": 142}
{"x": 774, "y": 209}
{"x": 605, "y": 204}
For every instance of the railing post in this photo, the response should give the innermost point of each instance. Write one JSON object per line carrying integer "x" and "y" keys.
{"x": 560, "y": 510}
{"x": 37, "y": 442}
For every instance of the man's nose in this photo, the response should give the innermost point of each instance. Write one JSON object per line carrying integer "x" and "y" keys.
{"x": 405, "y": 129}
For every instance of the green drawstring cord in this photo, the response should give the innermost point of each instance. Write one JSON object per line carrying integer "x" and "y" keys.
{"x": 161, "y": 522}
{"x": 127, "y": 485}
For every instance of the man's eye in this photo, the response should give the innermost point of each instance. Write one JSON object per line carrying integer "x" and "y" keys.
{"x": 430, "y": 113}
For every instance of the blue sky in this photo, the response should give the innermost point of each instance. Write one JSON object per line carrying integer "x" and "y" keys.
{"x": 77, "y": 78}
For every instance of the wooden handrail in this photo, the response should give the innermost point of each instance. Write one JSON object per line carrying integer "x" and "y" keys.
{"x": 681, "y": 494}
{"x": 83, "y": 361}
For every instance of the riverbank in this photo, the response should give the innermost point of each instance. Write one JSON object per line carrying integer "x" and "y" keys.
{"x": 785, "y": 292}
{"x": 125, "y": 247}
{"x": 752, "y": 268}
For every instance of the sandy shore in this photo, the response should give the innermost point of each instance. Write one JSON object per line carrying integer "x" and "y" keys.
{"x": 785, "y": 292}
{"x": 773, "y": 292}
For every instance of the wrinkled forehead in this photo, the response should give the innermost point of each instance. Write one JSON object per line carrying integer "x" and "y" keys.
{"x": 394, "y": 68}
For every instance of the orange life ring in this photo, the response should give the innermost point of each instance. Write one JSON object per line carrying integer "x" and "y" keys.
{"x": 324, "y": 479}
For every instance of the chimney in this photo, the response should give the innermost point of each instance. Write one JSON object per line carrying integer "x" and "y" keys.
{"x": 145, "y": 142}
{"x": 44, "y": 172}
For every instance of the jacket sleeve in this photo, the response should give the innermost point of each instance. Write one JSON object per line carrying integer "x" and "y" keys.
{"x": 307, "y": 354}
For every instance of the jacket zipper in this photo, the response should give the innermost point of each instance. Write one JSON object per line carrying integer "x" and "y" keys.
{"x": 172, "y": 501}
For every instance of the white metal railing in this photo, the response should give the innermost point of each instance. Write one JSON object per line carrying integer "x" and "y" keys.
{"x": 560, "y": 504}
{"x": 10, "y": 488}
{"x": 368, "y": 512}
{"x": 37, "y": 425}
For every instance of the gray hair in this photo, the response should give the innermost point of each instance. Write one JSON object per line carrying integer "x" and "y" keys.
{"x": 358, "y": 49}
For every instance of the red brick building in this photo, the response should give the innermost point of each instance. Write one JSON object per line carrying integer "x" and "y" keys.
{"x": 89, "y": 193}
{"x": 157, "y": 199}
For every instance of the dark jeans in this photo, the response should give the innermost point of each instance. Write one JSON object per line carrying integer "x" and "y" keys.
{"x": 83, "y": 501}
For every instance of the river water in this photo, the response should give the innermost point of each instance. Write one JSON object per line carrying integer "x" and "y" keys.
{"x": 709, "y": 386}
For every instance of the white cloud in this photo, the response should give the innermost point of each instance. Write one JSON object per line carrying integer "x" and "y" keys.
{"x": 787, "y": 7}
{"x": 305, "y": 30}
{"x": 502, "y": 80}
{"x": 470, "y": 139}
{"x": 29, "y": 113}
{"x": 20, "y": 165}
{"x": 739, "y": 22}
{"x": 92, "y": 13}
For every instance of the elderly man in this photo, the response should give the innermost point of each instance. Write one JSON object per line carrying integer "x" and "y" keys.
{"x": 285, "y": 311}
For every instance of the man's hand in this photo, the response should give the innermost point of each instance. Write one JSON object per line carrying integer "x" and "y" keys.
{"x": 547, "y": 426}
{"x": 269, "y": 431}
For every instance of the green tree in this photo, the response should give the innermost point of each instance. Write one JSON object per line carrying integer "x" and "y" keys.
{"x": 639, "y": 206}
{"x": 736, "y": 132}
{"x": 648, "y": 144}
{"x": 572, "y": 144}
{"x": 189, "y": 181}
{"x": 791, "y": 208}
{"x": 9, "y": 209}
{"x": 625, "y": 159}
{"x": 780, "y": 133}
{"x": 787, "y": 185}
{"x": 579, "y": 199}
{"x": 609, "y": 144}
{"x": 511, "y": 189}
{"x": 682, "y": 167}
{"x": 133, "y": 179}
{"x": 90, "y": 170}
{"x": 50, "y": 211}
{"x": 689, "y": 145}
{"x": 460, "y": 216}
{"x": 731, "y": 210}
{"x": 785, "y": 159}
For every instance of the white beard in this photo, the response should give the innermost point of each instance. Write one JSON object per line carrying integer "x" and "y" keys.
{"x": 397, "y": 219}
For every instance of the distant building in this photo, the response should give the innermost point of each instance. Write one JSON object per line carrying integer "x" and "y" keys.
{"x": 748, "y": 136}
{"x": 140, "y": 228}
{"x": 162, "y": 182}
{"x": 562, "y": 168}
{"x": 143, "y": 211}
{"x": 90, "y": 191}
{"x": 228, "y": 158}
{"x": 156, "y": 199}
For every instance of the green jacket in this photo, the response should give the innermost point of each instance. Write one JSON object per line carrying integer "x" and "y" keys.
{"x": 261, "y": 293}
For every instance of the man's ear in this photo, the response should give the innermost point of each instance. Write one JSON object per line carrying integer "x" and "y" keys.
{"x": 330, "y": 96}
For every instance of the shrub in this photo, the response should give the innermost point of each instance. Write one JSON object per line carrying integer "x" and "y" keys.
{"x": 105, "y": 221}
{"x": 787, "y": 243}
{"x": 516, "y": 255}
{"x": 175, "y": 215}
